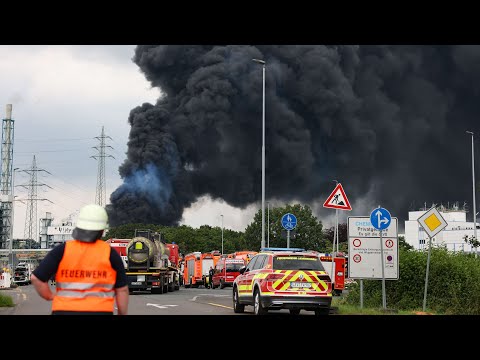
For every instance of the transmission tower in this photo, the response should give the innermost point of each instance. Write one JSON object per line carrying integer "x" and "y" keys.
{"x": 31, "y": 217}
{"x": 100, "y": 195}
{"x": 6, "y": 189}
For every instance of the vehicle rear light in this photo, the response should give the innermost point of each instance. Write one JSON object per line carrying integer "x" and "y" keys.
{"x": 155, "y": 283}
{"x": 271, "y": 277}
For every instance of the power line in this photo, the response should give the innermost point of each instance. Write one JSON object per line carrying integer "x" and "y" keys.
{"x": 30, "y": 231}
{"x": 100, "y": 196}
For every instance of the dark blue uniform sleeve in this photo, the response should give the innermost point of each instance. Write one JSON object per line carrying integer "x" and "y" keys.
{"x": 49, "y": 265}
{"x": 117, "y": 265}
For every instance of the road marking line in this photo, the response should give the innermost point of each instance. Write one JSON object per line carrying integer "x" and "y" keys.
{"x": 226, "y": 307}
{"x": 160, "y": 306}
{"x": 24, "y": 296}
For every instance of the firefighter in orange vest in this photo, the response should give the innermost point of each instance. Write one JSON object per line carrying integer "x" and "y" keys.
{"x": 89, "y": 273}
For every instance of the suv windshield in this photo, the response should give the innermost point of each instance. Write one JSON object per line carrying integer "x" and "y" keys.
{"x": 296, "y": 262}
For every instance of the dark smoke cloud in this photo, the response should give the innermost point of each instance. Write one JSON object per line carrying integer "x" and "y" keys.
{"x": 389, "y": 120}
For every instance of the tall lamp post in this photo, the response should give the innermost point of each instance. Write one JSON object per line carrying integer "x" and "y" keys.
{"x": 222, "y": 233}
{"x": 262, "y": 62}
{"x": 268, "y": 224}
{"x": 473, "y": 185}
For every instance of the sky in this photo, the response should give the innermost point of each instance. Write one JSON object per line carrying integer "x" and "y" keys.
{"x": 62, "y": 96}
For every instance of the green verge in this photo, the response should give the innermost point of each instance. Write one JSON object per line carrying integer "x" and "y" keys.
{"x": 6, "y": 301}
{"x": 453, "y": 286}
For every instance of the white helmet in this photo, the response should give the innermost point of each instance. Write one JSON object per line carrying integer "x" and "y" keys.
{"x": 92, "y": 217}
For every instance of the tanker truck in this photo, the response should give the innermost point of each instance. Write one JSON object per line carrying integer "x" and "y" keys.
{"x": 151, "y": 264}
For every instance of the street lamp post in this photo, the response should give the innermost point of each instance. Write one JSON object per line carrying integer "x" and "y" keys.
{"x": 222, "y": 233}
{"x": 262, "y": 62}
{"x": 474, "y": 206}
{"x": 268, "y": 224}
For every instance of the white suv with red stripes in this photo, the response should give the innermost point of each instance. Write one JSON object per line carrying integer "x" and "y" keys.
{"x": 278, "y": 278}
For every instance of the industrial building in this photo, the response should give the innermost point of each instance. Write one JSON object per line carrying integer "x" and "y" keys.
{"x": 52, "y": 234}
{"x": 452, "y": 237}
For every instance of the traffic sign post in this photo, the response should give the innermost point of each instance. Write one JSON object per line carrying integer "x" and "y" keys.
{"x": 289, "y": 222}
{"x": 381, "y": 219}
{"x": 432, "y": 222}
{"x": 337, "y": 200}
{"x": 364, "y": 239}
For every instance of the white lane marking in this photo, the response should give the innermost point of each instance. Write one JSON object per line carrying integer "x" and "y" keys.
{"x": 24, "y": 296}
{"x": 213, "y": 295}
{"x": 160, "y": 306}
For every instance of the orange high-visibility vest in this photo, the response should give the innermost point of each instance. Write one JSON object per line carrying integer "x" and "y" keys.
{"x": 85, "y": 278}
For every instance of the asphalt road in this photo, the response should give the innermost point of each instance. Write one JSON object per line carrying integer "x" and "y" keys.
{"x": 199, "y": 301}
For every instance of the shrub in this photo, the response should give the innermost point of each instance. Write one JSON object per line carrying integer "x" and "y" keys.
{"x": 453, "y": 286}
{"x": 6, "y": 301}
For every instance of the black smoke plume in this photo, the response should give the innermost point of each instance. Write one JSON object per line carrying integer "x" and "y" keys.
{"x": 388, "y": 121}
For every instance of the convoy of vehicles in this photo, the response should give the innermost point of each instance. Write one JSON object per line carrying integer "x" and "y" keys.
{"x": 272, "y": 279}
{"x": 275, "y": 278}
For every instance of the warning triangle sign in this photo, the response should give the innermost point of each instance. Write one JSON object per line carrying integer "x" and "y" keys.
{"x": 337, "y": 199}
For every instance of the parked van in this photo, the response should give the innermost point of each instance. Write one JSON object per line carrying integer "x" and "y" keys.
{"x": 226, "y": 271}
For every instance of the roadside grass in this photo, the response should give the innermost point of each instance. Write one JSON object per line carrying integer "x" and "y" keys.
{"x": 6, "y": 301}
{"x": 347, "y": 309}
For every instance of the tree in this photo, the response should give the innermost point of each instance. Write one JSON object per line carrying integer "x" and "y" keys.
{"x": 308, "y": 232}
{"x": 342, "y": 237}
{"x": 188, "y": 239}
{"x": 472, "y": 241}
{"x": 403, "y": 244}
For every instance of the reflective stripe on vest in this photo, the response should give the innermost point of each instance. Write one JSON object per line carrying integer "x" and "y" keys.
{"x": 85, "y": 278}
{"x": 76, "y": 294}
{"x": 81, "y": 286}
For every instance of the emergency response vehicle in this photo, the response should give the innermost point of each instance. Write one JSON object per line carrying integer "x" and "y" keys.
{"x": 283, "y": 278}
{"x": 226, "y": 271}
{"x": 336, "y": 266}
{"x": 245, "y": 255}
{"x": 195, "y": 268}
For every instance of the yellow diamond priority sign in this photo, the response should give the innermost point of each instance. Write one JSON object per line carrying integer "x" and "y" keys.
{"x": 432, "y": 222}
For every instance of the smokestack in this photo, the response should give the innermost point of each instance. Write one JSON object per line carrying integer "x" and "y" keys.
{"x": 9, "y": 111}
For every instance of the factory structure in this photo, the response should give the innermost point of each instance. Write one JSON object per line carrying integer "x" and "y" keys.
{"x": 6, "y": 188}
{"x": 452, "y": 237}
{"x": 46, "y": 232}
{"x": 52, "y": 233}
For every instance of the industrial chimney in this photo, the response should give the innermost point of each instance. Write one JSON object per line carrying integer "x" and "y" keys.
{"x": 9, "y": 112}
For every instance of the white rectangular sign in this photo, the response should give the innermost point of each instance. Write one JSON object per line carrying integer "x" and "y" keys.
{"x": 364, "y": 250}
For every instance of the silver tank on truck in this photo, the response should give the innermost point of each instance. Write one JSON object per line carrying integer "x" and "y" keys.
{"x": 142, "y": 251}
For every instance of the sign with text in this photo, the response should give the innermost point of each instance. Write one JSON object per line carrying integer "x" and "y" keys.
{"x": 364, "y": 250}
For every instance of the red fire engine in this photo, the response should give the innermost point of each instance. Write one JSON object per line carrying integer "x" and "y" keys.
{"x": 339, "y": 269}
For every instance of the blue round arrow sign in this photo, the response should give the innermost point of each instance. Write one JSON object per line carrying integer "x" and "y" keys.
{"x": 380, "y": 218}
